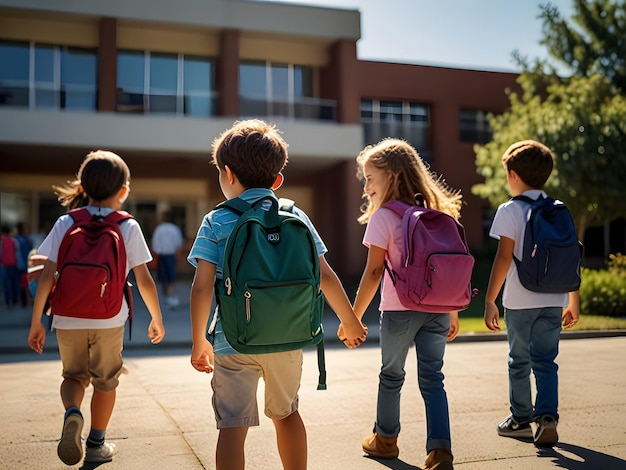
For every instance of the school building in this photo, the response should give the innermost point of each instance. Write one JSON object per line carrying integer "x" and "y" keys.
{"x": 156, "y": 81}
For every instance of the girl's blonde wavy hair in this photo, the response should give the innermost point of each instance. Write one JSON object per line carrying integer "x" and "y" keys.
{"x": 409, "y": 176}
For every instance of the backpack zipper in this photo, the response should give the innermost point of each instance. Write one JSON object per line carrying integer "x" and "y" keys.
{"x": 247, "y": 295}
{"x": 102, "y": 289}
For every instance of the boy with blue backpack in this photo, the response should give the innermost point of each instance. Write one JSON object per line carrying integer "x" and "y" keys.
{"x": 249, "y": 158}
{"x": 538, "y": 262}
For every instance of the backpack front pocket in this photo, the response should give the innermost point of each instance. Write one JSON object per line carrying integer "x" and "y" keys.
{"x": 281, "y": 313}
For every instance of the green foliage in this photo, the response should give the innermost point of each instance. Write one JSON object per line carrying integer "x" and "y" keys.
{"x": 617, "y": 264}
{"x": 581, "y": 118}
{"x": 594, "y": 45}
{"x": 603, "y": 292}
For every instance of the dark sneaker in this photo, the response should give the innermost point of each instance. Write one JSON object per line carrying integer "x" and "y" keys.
{"x": 70, "y": 449}
{"x": 511, "y": 428}
{"x": 546, "y": 435}
{"x": 103, "y": 453}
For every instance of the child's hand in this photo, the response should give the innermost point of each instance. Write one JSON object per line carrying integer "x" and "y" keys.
{"x": 355, "y": 339}
{"x": 491, "y": 316}
{"x": 570, "y": 317}
{"x": 156, "y": 331}
{"x": 454, "y": 325}
{"x": 37, "y": 337}
{"x": 202, "y": 357}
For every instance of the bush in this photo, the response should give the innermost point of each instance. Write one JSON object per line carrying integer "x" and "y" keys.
{"x": 603, "y": 291}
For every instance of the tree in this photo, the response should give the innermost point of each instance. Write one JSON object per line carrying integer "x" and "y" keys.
{"x": 582, "y": 118}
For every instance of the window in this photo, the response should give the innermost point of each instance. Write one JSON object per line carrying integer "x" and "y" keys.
{"x": 47, "y": 76}
{"x": 474, "y": 126}
{"x": 150, "y": 82}
{"x": 273, "y": 89}
{"x": 401, "y": 119}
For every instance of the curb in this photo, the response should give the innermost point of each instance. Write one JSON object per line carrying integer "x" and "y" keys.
{"x": 332, "y": 341}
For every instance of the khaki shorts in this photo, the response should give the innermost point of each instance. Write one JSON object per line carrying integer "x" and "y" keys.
{"x": 92, "y": 356}
{"x": 235, "y": 381}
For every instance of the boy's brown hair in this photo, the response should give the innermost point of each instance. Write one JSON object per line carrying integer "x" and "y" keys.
{"x": 531, "y": 160}
{"x": 253, "y": 150}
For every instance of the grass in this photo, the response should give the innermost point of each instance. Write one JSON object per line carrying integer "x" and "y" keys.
{"x": 587, "y": 322}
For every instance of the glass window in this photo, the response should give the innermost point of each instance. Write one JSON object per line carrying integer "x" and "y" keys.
{"x": 302, "y": 81}
{"x": 130, "y": 71}
{"x": 274, "y": 89}
{"x": 165, "y": 83}
{"x": 280, "y": 81}
{"x": 197, "y": 80}
{"x": 400, "y": 119}
{"x": 14, "y": 73}
{"x": 79, "y": 68}
{"x": 46, "y": 84}
{"x": 367, "y": 111}
{"x": 390, "y": 111}
{"x": 474, "y": 126}
{"x": 61, "y": 77}
{"x": 252, "y": 80}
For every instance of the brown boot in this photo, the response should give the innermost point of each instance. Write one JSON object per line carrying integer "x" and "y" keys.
{"x": 438, "y": 459}
{"x": 380, "y": 446}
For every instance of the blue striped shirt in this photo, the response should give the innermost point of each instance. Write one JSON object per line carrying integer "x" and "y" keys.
{"x": 210, "y": 244}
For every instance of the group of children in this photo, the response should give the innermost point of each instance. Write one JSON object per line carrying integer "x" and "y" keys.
{"x": 250, "y": 157}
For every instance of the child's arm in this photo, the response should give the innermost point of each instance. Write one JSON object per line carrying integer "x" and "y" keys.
{"x": 572, "y": 311}
{"x": 370, "y": 280}
{"x": 454, "y": 325}
{"x": 200, "y": 300}
{"x": 501, "y": 263}
{"x": 147, "y": 289}
{"x": 336, "y": 296}
{"x": 37, "y": 334}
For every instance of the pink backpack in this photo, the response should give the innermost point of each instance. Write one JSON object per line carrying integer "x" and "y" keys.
{"x": 437, "y": 267}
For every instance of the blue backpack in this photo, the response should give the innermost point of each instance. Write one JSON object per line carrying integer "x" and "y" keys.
{"x": 552, "y": 252}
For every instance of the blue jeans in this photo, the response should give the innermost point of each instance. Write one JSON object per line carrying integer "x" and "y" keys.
{"x": 429, "y": 331}
{"x": 533, "y": 335}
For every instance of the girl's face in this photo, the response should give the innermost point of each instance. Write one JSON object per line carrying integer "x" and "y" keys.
{"x": 376, "y": 183}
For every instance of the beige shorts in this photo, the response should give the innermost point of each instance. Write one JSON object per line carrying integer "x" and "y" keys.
{"x": 235, "y": 381}
{"x": 92, "y": 356}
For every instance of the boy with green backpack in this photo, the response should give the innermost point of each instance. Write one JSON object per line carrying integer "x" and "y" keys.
{"x": 250, "y": 157}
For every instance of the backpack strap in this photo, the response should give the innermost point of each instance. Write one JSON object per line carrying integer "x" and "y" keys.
{"x": 235, "y": 204}
{"x": 287, "y": 205}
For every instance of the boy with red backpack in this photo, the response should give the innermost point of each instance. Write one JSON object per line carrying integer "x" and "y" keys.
{"x": 90, "y": 252}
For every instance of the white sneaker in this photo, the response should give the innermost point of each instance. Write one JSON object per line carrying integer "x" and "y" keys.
{"x": 103, "y": 453}
{"x": 173, "y": 302}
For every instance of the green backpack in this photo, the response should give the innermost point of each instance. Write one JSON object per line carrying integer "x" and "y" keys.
{"x": 270, "y": 298}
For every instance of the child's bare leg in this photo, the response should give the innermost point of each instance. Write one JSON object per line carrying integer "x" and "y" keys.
{"x": 72, "y": 393}
{"x": 102, "y": 404}
{"x": 292, "y": 442}
{"x": 229, "y": 454}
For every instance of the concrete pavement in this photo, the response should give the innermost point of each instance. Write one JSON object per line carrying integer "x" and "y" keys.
{"x": 164, "y": 420}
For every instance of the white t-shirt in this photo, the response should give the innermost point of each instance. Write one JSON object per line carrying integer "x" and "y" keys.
{"x": 167, "y": 239}
{"x": 137, "y": 253}
{"x": 510, "y": 222}
{"x": 384, "y": 230}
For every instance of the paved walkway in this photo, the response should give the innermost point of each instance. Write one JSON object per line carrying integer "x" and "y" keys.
{"x": 163, "y": 417}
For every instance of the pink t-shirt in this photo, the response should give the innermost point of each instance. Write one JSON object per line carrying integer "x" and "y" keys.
{"x": 384, "y": 230}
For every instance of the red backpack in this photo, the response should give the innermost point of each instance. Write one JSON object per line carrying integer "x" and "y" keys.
{"x": 436, "y": 267}
{"x": 91, "y": 280}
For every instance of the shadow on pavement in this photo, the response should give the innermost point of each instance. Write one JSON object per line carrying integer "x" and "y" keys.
{"x": 573, "y": 457}
{"x": 394, "y": 464}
